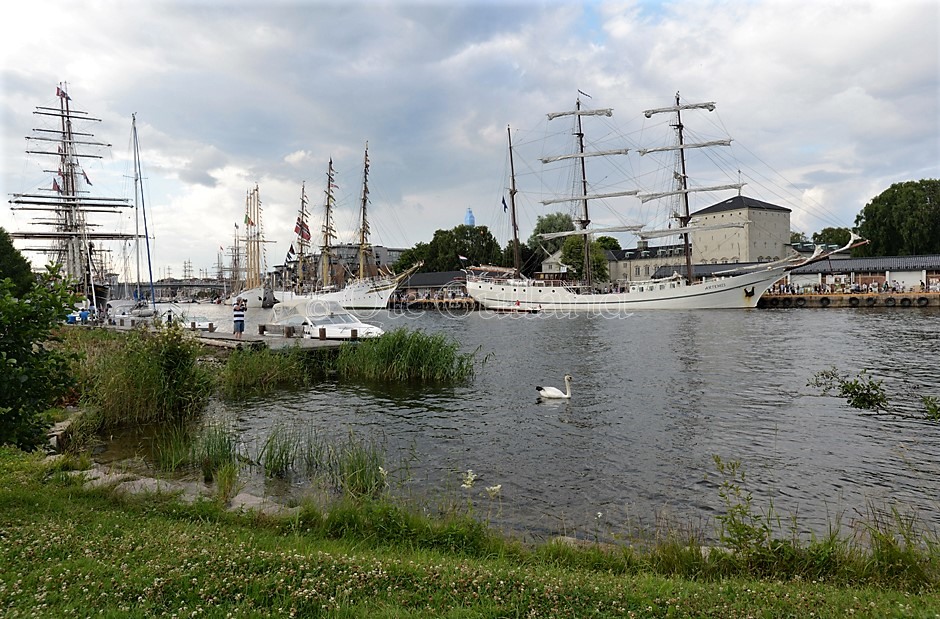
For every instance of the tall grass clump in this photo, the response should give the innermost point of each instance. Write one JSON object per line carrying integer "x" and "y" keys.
{"x": 213, "y": 450}
{"x": 279, "y": 451}
{"x": 402, "y": 355}
{"x": 253, "y": 371}
{"x": 359, "y": 469}
{"x": 154, "y": 376}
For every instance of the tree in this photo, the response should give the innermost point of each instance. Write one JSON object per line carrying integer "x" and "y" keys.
{"x": 904, "y": 220}
{"x": 528, "y": 259}
{"x": 14, "y": 266}
{"x": 410, "y": 257}
{"x": 475, "y": 243}
{"x": 34, "y": 375}
{"x": 554, "y": 222}
{"x": 798, "y": 237}
{"x": 572, "y": 254}
{"x": 832, "y": 236}
{"x": 608, "y": 242}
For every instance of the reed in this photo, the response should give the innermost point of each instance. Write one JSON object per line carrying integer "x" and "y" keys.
{"x": 173, "y": 449}
{"x": 359, "y": 469}
{"x": 279, "y": 451}
{"x": 251, "y": 371}
{"x": 143, "y": 376}
{"x": 403, "y": 355}
{"x": 213, "y": 449}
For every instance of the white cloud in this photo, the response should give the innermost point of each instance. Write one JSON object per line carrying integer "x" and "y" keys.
{"x": 835, "y": 100}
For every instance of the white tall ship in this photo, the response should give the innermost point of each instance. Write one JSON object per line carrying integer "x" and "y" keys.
{"x": 506, "y": 289}
{"x": 368, "y": 289}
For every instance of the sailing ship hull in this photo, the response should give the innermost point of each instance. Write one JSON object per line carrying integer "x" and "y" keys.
{"x": 258, "y": 297}
{"x": 359, "y": 294}
{"x": 733, "y": 292}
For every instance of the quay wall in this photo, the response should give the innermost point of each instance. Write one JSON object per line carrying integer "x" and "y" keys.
{"x": 891, "y": 300}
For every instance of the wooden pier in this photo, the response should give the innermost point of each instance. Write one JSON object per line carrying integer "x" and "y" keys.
{"x": 463, "y": 304}
{"x": 891, "y": 300}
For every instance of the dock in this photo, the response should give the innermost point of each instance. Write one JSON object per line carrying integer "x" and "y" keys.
{"x": 463, "y": 304}
{"x": 274, "y": 342}
{"x": 891, "y": 300}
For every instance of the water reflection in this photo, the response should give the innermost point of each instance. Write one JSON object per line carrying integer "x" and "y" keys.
{"x": 655, "y": 396}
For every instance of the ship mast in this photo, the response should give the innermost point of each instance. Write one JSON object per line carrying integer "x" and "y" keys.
{"x": 138, "y": 189}
{"x": 326, "y": 251}
{"x": 516, "y": 262}
{"x": 70, "y": 239}
{"x": 364, "y": 226}
{"x": 303, "y": 238}
{"x": 584, "y": 196}
{"x": 683, "y": 189}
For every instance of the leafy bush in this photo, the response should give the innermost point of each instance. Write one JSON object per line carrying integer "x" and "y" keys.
{"x": 34, "y": 374}
{"x": 860, "y": 392}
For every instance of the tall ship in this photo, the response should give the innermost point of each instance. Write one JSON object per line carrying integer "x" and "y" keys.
{"x": 505, "y": 289}
{"x": 249, "y": 273}
{"x": 319, "y": 277}
{"x": 73, "y": 227}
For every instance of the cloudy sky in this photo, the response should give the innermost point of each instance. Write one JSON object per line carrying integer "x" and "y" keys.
{"x": 827, "y": 102}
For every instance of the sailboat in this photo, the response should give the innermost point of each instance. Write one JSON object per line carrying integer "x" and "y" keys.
{"x": 254, "y": 288}
{"x": 369, "y": 289}
{"x": 73, "y": 234}
{"x": 134, "y": 304}
{"x": 500, "y": 288}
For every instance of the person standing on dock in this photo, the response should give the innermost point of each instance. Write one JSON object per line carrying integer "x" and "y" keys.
{"x": 238, "y": 316}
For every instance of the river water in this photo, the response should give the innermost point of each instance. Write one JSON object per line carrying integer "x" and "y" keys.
{"x": 655, "y": 396}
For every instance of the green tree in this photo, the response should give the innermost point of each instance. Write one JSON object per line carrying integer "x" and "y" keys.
{"x": 832, "y": 236}
{"x": 34, "y": 375}
{"x": 904, "y": 220}
{"x": 572, "y": 254}
{"x": 475, "y": 243}
{"x": 608, "y": 242}
{"x": 528, "y": 259}
{"x": 798, "y": 237}
{"x": 553, "y": 222}
{"x": 14, "y": 266}
{"x": 411, "y": 257}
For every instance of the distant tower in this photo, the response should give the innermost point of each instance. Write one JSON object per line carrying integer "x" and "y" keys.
{"x": 469, "y": 219}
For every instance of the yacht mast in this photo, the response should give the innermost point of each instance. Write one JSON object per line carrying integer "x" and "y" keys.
{"x": 138, "y": 189}
{"x": 516, "y": 263}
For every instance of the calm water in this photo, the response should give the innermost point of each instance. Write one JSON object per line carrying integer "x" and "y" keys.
{"x": 655, "y": 396}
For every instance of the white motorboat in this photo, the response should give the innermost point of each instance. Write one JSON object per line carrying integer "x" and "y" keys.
{"x": 309, "y": 316}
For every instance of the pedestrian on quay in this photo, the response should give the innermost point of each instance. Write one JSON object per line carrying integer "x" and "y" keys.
{"x": 238, "y": 316}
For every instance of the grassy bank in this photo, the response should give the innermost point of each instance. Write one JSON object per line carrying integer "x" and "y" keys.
{"x": 70, "y": 551}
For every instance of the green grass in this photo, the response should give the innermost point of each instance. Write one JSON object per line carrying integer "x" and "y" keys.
{"x": 67, "y": 550}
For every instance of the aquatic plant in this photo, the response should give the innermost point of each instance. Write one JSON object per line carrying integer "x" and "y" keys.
{"x": 278, "y": 452}
{"x": 931, "y": 407}
{"x": 253, "y": 371}
{"x": 402, "y": 355}
{"x": 151, "y": 376}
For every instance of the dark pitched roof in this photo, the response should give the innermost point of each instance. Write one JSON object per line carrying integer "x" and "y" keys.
{"x": 739, "y": 202}
{"x": 436, "y": 279}
{"x": 874, "y": 265}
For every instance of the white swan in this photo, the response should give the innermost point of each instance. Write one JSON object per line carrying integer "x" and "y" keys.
{"x": 552, "y": 392}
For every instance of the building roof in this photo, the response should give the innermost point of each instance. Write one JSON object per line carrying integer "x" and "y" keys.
{"x": 740, "y": 202}
{"x": 874, "y": 265}
{"x": 436, "y": 279}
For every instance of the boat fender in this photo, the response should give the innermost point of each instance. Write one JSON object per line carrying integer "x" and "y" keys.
{"x": 870, "y": 301}
{"x": 787, "y": 302}
{"x": 801, "y": 302}
{"x": 905, "y": 302}
{"x": 774, "y": 302}
{"x": 922, "y": 302}
{"x": 853, "y": 301}
{"x": 824, "y": 302}
{"x": 890, "y": 302}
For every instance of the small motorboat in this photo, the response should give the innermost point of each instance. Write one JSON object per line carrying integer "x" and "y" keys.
{"x": 309, "y": 316}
